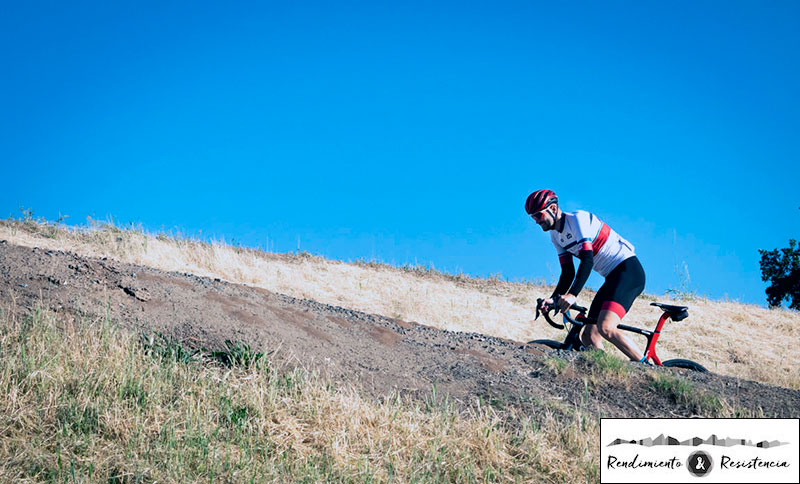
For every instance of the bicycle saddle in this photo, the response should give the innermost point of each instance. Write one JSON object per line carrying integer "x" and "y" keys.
{"x": 676, "y": 313}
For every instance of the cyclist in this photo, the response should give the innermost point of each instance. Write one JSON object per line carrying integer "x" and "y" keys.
{"x": 583, "y": 235}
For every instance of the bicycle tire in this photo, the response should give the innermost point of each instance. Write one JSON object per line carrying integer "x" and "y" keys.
{"x": 556, "y": 345}
{"x": 687, "y": 364}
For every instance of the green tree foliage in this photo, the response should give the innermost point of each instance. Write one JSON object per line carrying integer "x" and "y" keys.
{"x": 781, "y": 267}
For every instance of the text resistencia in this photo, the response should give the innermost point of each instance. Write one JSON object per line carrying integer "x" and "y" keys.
{"x": 754, "y": 463}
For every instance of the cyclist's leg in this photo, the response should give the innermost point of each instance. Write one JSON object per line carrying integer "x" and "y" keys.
{"x": 590, "y": 336}
{"x": 607, "y": 324}
{"x": 627, "y": 282}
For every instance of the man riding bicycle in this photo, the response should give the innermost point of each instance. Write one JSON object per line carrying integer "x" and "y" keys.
{"x": 583, "y": 235}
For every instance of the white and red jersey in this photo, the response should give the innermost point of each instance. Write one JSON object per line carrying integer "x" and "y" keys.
{"x": 585, "y": 231}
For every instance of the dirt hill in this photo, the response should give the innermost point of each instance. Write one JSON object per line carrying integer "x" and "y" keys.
{"x": 377, "y": 353}
{"x": 730, "y": 338}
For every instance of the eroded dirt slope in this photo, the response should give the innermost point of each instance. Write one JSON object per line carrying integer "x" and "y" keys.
{"x": 375, "y": 353}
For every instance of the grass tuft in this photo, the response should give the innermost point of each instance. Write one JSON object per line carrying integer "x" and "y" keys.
{"x": 236, "y": 354}
{"x": 606, "y": 364}
{"x": 555, "y": 364}
{"x": 683, "y": 392}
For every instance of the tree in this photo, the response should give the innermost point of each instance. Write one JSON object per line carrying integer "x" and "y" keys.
{"x": 781, "y": 267}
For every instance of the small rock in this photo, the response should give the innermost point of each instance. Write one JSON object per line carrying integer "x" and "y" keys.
{"x": 140, "y": 294}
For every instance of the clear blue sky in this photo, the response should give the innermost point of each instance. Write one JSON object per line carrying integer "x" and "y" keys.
{"x": 413, "y": 131}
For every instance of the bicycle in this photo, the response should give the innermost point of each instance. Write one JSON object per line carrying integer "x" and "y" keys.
{"x": 573, "y": 342}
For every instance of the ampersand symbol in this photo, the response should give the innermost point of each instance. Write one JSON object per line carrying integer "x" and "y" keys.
{"x": 699, "y": 464}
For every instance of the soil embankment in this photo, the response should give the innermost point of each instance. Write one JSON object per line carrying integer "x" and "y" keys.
{"x": 375, "y": 353}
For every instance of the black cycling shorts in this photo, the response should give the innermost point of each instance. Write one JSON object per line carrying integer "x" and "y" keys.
{"x": 622, "y": 286}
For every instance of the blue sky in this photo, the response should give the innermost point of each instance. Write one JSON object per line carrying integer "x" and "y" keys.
{"x": 411, "y": 132}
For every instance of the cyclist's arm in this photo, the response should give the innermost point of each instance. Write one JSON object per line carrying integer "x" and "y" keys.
{"x": 567, "y": 274}
{"x": 586, "y": 257}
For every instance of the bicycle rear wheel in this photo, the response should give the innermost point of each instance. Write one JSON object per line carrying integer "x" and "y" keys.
{"x": 688, "y": 364}
{"x": 556, "y": 345}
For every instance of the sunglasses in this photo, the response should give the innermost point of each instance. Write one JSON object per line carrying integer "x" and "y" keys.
{"x": 538, "y": 215}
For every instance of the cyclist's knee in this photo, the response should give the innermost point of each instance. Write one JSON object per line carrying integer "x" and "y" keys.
{"x": 607, "y": 323}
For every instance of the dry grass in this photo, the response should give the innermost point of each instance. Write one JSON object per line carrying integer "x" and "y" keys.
{"x": 727, "y": 337}
{"x": 84, "y": 401}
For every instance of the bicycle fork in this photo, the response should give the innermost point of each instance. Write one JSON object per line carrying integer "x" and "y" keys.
{"x": 573, "y": 339}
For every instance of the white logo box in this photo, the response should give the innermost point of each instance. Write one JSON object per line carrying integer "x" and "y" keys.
{"x": 741, "y": 450}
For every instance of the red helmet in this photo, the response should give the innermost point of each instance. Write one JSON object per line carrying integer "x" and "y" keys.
{"x": 539, "y": 200}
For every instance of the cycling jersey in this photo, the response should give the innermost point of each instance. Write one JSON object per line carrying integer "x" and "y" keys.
{"x": 585, "y": 231}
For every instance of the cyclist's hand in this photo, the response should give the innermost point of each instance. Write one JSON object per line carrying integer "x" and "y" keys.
{"x": 565, "y": 301}
{"x": 546, "y": 305}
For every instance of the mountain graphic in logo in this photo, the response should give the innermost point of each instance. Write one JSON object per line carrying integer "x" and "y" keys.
{"x": 695, "y": 441}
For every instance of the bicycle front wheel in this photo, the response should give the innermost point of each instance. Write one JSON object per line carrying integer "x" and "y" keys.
{"x": 687, "y": 364}
{"x": 556, "y": 345}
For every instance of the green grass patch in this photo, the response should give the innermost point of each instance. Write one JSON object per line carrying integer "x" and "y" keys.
{"x": 606, "y": 364}
{"x": 556, "y": 365}
{"x": 681, "y": 391}
{"x": 236, "y": 354}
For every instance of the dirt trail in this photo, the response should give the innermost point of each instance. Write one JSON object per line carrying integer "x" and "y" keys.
{"x": 377, "y": 354}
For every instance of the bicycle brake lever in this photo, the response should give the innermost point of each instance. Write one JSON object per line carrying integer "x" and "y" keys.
{"x": 540, "y": 311}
